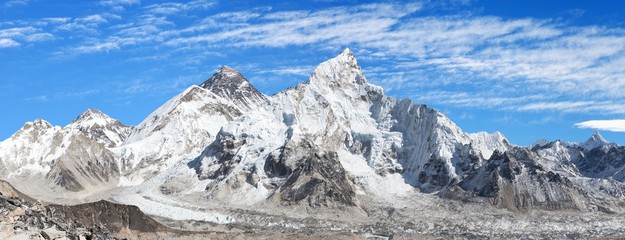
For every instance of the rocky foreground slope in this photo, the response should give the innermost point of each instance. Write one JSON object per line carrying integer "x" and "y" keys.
{"x": 26, "y": 218}
{"x": 333, "y": 154}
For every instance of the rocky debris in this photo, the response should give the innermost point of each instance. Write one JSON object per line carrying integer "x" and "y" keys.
{"x": 52, "y": 233}
{"x": 106, "y": 215}
{"x": 97, "y": 220}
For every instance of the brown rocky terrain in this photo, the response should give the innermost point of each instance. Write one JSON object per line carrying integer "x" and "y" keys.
{"x": 22, "y": 217}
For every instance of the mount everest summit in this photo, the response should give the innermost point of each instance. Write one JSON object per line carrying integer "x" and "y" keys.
{"x": 220, "y": 151}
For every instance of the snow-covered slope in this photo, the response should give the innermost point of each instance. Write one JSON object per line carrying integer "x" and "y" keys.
{"x": 71, "y": 158}
{"x": 180, "y": 129}
{"x": 594, "y": 158}
{"x": 32, "y": 149}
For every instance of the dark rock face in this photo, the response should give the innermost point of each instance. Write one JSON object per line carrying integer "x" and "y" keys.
{"x": 284, "y": 160}
{"x": 515, "y": 181}
{"x": 275, "y": 164}
{"x": 603, "y": 163}
{"x": 222, "y": 152}
{"x": 435, "y": 172}
{"x": 319, "y": 180}
{"x": 230, "y": 84}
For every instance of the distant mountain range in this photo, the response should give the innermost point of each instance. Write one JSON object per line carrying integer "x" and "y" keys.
{"x": 333, "y": 142}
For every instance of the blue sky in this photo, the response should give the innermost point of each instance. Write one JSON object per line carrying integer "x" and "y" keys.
{"x": 530, "y": 69}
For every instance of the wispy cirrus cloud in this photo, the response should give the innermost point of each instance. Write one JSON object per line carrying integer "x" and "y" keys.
{"x": 11, "y": 37}
{"x": 119, "y": 5}
{"x": 288, "y": 70}
{"x": 461, "y": 60}
{"x": 119, "y": 2}
{"x": 7, "y": 42}
{"x": 540, "y": 55}
{"x": 169, "y": 8}
{"x": 14, "y": 3}
{"x": 335, "y": 25}
{"x": 17, "y": 32}
{"x": 601, "y": 107}
{"x": 614, "y": 125}
{"x": 87, "y": 24}
{"x": 98, "y": 47}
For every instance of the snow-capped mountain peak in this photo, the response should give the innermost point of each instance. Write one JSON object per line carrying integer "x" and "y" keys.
{"x": 34, "y": 129}
{"x": 230, "y": 84}
{"x": 230, "y": 72}
{"x": 225, "y": 76}
{"x": 596, "y": 140}
{"x": 343, "y": 71}
{"x": 92, "y": 117}
{"x": 37, "y": 124}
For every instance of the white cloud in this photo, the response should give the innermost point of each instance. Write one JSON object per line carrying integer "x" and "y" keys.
{"x": 10, "y": 37}
{"x": 7, "y": 42}
{"x": 169, "y": 8}
{"x": 92, "y": 19}
{"x": 97, "y": 47}
{"x": 39, "y": 37}
{"x": 13, "y": 3}
{"x": 96, "y": 19}
{"x": 615, "y": 125}
{"x": 331, "y": 26}
{"x": 119, "y": 2}
{"x": 57, "y": 20}
{"x": 498, "y": 61}
{"x": 91, "y": 24}
{"x": 291, "y": 70}
{"x": 597, "y": 107}
{"x": 561, "y": 106}
{"x": 17, "y": 32}
{"x": 119, "y": 5}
